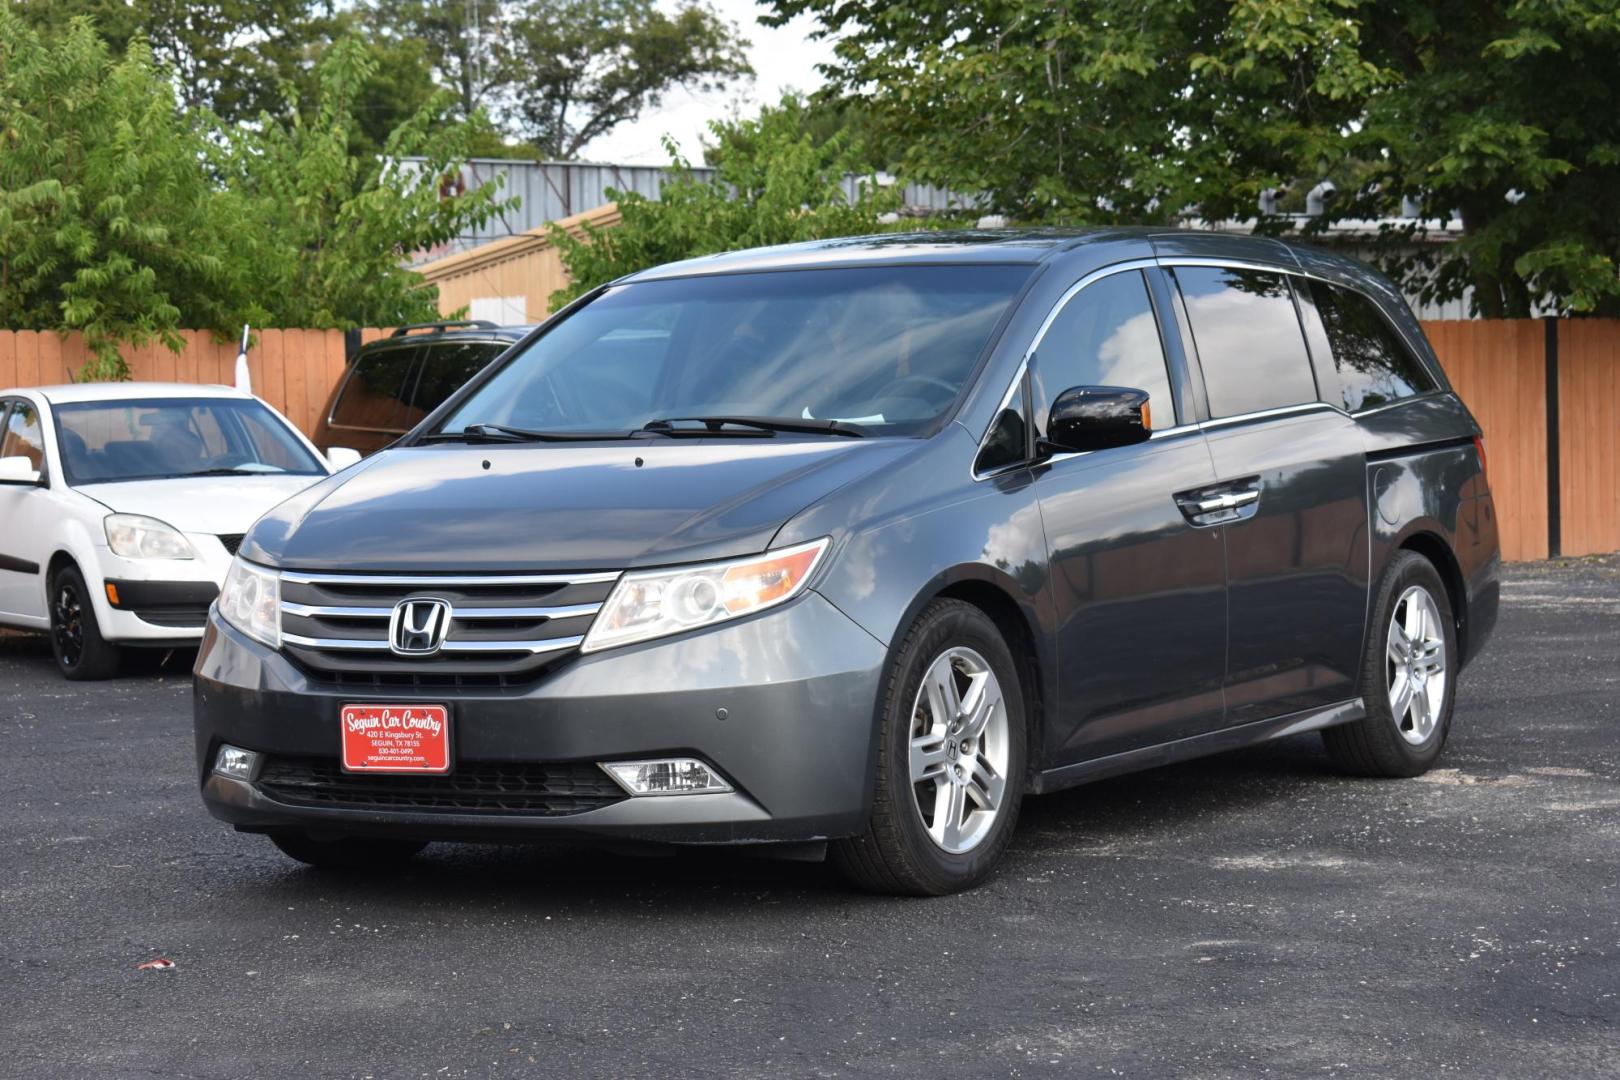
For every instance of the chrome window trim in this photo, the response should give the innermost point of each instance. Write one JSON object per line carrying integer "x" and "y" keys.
{"x": 1029, "y": 354}
{"x": 1171, "y": 261}
{"x": 311, "y": 577}
{"x": 1272, "y": 414}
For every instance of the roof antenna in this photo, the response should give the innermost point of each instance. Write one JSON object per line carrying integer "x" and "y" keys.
{"x": 244, "y": 381}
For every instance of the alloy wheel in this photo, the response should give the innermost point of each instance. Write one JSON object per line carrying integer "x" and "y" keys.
{"x": 1416, "y": 665}
{"x": 68, "y": 624}
{"x": 959, "y": 743}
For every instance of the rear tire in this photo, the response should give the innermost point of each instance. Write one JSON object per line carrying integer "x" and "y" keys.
{"x": 348, "y": 853}
{"x": 82, "y": 654}
{"x": 951, "y": 760}
{"x": 1408, "y": 677}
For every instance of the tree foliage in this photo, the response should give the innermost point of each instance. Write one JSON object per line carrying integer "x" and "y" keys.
{"x": 775, "y": 183}
{"x": 108, "y": 223}
{"x": 1505, "y": 110}
{"x": 558, "y": 73}
{"x": 128, "y": 217}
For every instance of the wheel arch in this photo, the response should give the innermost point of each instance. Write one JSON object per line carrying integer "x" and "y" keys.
{"x": 1430, "y": 544}
{"x": 997, "y": 596}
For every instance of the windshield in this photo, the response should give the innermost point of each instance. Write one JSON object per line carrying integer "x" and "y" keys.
{"x": 885, "y": 348}
{"x": 107, "y": 441}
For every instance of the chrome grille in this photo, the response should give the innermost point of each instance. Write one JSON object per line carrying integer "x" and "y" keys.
{"x": 508, "y": 626}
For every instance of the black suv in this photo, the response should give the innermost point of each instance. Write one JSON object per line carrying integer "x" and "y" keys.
{"x": 392, "y": 383}
{"x": 849, "y": 546}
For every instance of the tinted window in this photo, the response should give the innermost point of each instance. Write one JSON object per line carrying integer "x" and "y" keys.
{"x": 888, "y": 348}
{"x": 1249, "y": 340}
{"x": 22, "y": 435}
{"x": 373, "y": 396}
{"x": 1106, "y": 336}
{"x": 1375, "y": 366}
{"x": 446, "y": 368}
{"x": 106, "y": 441}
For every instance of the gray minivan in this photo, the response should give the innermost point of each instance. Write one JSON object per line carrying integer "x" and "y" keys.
{"x": 849, "y": 546}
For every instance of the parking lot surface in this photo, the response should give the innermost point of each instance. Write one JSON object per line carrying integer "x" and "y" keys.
{"x": 1253, "y": 913}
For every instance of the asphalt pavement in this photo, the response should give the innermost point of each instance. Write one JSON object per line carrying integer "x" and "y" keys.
{"x": 1253, "y": 913}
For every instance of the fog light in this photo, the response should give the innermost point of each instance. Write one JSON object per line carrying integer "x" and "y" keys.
{"x": 672, "y": 776}
{"x": 235, "y": 762}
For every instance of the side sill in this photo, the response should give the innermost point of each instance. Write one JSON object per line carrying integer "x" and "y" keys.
{"x": 1214, "y": 742}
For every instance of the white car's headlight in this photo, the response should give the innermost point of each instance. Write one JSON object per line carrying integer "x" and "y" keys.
{"x": 137, "y": 537}
{"x": 654, "y": 603}
{"x": 251, "y": 602}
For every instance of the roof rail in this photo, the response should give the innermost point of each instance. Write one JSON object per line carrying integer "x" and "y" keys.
{"x": 481, "y": 324}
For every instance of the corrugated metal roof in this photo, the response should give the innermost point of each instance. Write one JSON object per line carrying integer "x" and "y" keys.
{"x": 549, "y": 190}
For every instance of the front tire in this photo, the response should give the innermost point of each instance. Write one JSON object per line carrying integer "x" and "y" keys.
{"x": 1408, "y": 677}
{"x": 951, "y": 760}
{"x": 81, "y": 652}
{"x": 348, "y": 853}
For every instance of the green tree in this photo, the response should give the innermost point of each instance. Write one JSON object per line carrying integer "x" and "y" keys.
{"x": 107, "y": 221}
{"x": 556, "y": 74}
{"x": 583, "y": 67}
{"x": 231, "y": 56}
{"x": 1505, "y": 110}
{"x": 775, "y": 183}
{"x": 323, "y": 236}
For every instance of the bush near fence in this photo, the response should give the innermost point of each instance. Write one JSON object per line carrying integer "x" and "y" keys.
{"x": 1502, "y": 369}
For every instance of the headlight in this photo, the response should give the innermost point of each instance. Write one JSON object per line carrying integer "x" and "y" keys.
{"x": 137, "y": 537}
{"x": 654, "y": 603}
{"x": 251, "y": 602}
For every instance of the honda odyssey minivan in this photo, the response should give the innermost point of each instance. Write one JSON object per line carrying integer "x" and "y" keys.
{"x": 849, "y": 546}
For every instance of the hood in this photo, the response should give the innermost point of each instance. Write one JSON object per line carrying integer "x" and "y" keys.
{"x": 560, "y": 506}
{"x": 221, "y": 505}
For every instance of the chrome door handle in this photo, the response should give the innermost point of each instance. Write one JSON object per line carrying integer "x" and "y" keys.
{"x": 1230, "y": 500}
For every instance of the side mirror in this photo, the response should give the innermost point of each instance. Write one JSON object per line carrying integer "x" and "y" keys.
{"x": 18, "y": 470}
{"x": 341, "y": 457}
{"x": 1097, "y": 418}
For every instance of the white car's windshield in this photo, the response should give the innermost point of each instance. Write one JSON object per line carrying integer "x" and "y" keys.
{"x": 108, "y": 441}
{"x": 878, "y": 349}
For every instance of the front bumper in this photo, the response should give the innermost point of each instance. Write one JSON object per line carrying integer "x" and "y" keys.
{"x": 782, "y": 704}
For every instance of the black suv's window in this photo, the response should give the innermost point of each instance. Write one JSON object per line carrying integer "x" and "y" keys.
{"x": 1249, "y": 340}
{"x": 1105, "y": 336}
{"x": 374, "y": 394}
{"x": 446, "y": 368}
{"x": 1375, "y": 366}
{"x": 884, "y": 348}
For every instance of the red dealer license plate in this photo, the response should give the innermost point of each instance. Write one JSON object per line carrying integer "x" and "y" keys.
{"x": 396, "y": 738}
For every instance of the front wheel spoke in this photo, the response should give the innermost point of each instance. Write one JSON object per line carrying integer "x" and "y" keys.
{"x": 940, "y": 684}
{"x": 1397, "y": 647}
{"x": 1412, "y": 624}
{"x": 927, "y": 757}
{"x": 988, "y": 785}
{"x": 1400, "y": 697}
{"x": 950, "y": 800}
{"x": 979, "y": 705}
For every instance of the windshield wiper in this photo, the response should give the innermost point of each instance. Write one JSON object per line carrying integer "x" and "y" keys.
{"x": 763, "y": 425}
{"x": 501, "y": 433}
{"x": 232, "y": 471}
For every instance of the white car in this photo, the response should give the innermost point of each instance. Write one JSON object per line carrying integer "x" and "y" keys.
{"x": 122, "y": 505}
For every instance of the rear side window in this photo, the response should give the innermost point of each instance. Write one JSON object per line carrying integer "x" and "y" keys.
{"x": 1375, "y": 366}
{"x": 1249, "y": 340}
{"x": 1106, "y": 336}
{"x": 373, "y": 396}
{"x": 446, "y": 368}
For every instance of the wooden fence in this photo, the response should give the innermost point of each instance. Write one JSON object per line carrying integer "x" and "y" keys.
{"x": 1502, "y": 369}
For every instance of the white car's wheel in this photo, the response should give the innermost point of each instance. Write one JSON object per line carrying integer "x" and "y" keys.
{"x": 81, "y": 651}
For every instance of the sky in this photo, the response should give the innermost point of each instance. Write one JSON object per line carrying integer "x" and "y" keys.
{"x": 783, "y": 58}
